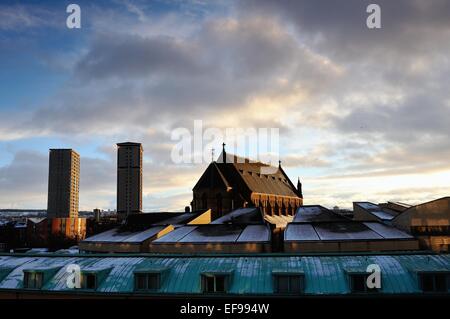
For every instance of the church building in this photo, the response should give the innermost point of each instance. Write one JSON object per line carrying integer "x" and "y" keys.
{"x": 232, "y": 182}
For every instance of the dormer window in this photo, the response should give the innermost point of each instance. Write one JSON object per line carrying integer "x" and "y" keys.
{"x": 291, "y": 284}
{"x": 434, "y": 281}
{"x": 147, "y": 281}
{"x": 33, "y": 279}
{"x": 358, "y": 283}
{"x": 88, "y": 281}
{"x": 92, "y": 278}
{"x": 215, "y": 283}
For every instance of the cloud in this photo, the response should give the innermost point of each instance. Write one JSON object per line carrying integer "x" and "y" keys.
{"x": 351, "y": 103}
{"x": 23, "y": 182}
{"x": 137, "y": 81}
{"x": 18, "y": 17}
{"x": 339, "y": 28}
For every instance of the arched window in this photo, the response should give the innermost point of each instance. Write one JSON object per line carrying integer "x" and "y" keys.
{"x": 269, "y": 208}
{"x": 219, "y": 204}
{"x": 204, "y": 201}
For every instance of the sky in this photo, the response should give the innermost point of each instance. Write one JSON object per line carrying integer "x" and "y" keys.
{"x": 363, "y": 114}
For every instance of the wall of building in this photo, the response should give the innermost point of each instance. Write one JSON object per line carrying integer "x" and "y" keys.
{"x": 195, "y": 248}
{"x": 276, "y": 204}
{"x": 63, "y": 183}
{"x": 350, "y": 246}
{"x": 362, "y": 215}
{"x": 71, "y": 228}
{"x": 429, "y": 222}
{"x": 129, "y": 178}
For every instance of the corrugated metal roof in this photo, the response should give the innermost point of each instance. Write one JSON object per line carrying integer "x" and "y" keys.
{"x": 324, "y": 275}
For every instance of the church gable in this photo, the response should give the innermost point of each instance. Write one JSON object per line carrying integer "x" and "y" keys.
{"x": 212, "y": 178}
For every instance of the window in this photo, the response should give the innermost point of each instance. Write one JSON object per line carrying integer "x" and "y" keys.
{"x": 89, "y": 281}
{"x": 358, "y": 283}
{"x": 219, "y": 204}
{"x": 33, "y": 280}
{"x": 147, "y": 281}
{"x": 289, "y": 284}
{"x": 204, "y": 201}
{"x": 214, "y": 283}
{"x": 434, "y": 282}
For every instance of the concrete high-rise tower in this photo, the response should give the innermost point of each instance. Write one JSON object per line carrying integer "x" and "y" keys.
{"x": 63, "y": 183}
{"x": 129, "y": 179}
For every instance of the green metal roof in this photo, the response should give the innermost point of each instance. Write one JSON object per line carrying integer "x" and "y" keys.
{"x": 251, "y": 275}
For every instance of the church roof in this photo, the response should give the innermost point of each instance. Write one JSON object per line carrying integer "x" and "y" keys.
{"x": 257, "y": 177}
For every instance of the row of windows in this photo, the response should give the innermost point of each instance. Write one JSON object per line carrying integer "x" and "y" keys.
{"x": 286, "y": 284}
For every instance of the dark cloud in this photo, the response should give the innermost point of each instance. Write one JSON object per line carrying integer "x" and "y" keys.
{"x": 414, "y": 118}
{"x": 338, "y": 28}
{"x": 376, "y": 101}
{"x": 24, "y": 181}
{"x": 133, "y": 56}
{"x": 136, "y": 81}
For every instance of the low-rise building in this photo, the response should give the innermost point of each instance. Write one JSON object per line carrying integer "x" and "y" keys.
{"x": 317, "y": 229}
{"x": 269, "y": 275}
{"x": 37, "y": 232}
{"x": 140, "y": 230}
{"x": 367, "y": 211}
{"x": 241, "y": 231}
{"x": 429, "y": 222}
